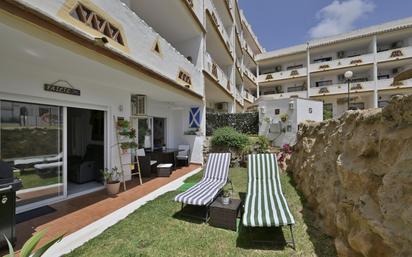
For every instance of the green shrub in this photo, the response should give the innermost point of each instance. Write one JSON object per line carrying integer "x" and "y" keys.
{"x": 261, "y": 144}
{"x": 229, "y": 137}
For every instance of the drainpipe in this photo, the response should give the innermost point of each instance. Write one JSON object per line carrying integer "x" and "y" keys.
{"x": 308, "y": 69}
{"x": 375, "y": 72}
{"x": 257, "y": 82}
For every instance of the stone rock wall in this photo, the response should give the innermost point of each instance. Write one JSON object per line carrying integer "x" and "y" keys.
{"x": 356, "y": 174}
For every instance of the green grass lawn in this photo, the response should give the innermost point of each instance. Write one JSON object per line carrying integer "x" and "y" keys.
{"x": 31, "y": 179}
{"x": 157, "y": 229}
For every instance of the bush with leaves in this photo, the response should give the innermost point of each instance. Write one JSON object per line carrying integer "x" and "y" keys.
{"x": 261, "y": 144}
{"x": 230, "y": 138}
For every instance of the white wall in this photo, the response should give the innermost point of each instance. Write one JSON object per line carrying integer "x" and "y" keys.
{"x": 297, "y": 114}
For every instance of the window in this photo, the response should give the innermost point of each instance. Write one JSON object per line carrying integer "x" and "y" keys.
{"x": 325, "y": 59}
{"x": 185, "y": 77}
{"x": 294, "y": 67}
{"x": 277, "y": 111}
{"x": 295, "y": 89}
{"x": 323, "y": 83}
{"x": 138, "y": 105}
{"x": 310, "y": 110}
{"x": 97, "y": 22}
{"x": 386, "y": 76}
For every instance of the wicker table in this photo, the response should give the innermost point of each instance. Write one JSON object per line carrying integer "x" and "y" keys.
{"x": 224, "y": 216}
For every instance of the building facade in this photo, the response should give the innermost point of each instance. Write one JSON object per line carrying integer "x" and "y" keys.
{"x": 315, "y": 70}
{"x": 70, "y": 69}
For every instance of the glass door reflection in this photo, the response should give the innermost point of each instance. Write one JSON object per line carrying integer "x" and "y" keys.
{"x": 31, "y": 142}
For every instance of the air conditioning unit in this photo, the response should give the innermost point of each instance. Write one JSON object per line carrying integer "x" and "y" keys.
{"x": 395, "y": 70}
{"x": 278, "y": 68}
{"x": 341, "y": 54}
{"x": 224, "y": 107}
{"x": 291, "y": 105}
{"x": 139, "y": 103}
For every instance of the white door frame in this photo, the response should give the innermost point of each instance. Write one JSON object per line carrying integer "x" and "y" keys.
{"x": 64, "y": 104}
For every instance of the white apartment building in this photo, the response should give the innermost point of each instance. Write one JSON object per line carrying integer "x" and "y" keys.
{"x": 70, "y": 69}
{"x": 315, "y": 70}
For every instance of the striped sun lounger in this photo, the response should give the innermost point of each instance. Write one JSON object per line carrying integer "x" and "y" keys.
{"x": 265, "y": 204}
{"x": 209, "y": 187}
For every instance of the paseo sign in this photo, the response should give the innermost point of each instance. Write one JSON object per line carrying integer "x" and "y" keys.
{"x": 61, "y": 89}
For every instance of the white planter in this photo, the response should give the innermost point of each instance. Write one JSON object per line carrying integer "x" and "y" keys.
{"x": 225, "y": 200}
{"x": 113, "y": 189}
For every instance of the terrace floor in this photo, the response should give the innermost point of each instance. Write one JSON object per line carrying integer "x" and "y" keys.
{"x": 76, "y": 213}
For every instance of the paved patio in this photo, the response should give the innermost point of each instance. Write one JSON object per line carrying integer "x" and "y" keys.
{"x": 74, "y": 214}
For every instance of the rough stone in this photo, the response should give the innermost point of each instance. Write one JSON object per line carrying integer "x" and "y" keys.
{"x": 356, "y": 174}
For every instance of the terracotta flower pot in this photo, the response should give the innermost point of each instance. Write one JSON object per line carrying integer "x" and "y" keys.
{"x": 113, "y": 188}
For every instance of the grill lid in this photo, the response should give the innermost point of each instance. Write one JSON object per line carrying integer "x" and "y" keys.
{"x": 6, "y": 173}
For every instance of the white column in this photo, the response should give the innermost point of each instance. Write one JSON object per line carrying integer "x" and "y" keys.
{"x": 375, "y": 72}
{"x": 308, "y": 69}
{"x": 257, "y": 82}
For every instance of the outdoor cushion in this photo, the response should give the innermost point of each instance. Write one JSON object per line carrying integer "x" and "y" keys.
{"x": 152, "y": 162}
{"x": 214, "y": 178}
{"x": 165, "y": 165}
{"x": 265, "y": 204}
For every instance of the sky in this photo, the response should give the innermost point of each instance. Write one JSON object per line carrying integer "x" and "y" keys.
{"x": 284, "y": 23}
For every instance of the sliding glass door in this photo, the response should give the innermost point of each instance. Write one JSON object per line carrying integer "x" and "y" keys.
{"x": 31, "y": 141}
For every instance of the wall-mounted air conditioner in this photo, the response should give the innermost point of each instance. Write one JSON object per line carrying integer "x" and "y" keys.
{"x": 223, "y": 107}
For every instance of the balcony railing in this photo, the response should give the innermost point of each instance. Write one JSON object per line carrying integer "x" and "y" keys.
{"x": 249, "y": 74}
{"x": 281, "y": 75}
{"x": 219, "y": 25}
{"x": 301, "y": 94}
{"x": 238, "y": 96}
{"x": 248, "y": 96}
{"x": 395, "y": 54}
{"x": 217, "y": 73}
{"x": 388, "y": 83}
{"x": 247, "y": 48}
{"x": 342, "y": 88}
{"x": 342, "y": 63}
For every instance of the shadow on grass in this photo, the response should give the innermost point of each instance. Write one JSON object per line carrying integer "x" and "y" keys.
{"x": 192, "y": 214}
{"x": 322, "y": 243}
{"x": 260, "y": 238}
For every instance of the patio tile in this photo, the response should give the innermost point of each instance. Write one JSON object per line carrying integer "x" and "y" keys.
{"x": 74, "y": 214}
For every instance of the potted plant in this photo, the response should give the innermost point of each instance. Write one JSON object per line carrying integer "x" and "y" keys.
{"x": 284, "y": 117}
{"x": 226, "y": 195}
{"x": 112, "y": 179}
{"x": 123, "y": 125}
{"x": 125, "y": 146}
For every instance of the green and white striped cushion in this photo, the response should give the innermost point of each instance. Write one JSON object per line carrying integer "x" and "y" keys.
{"x": 265, "y": 204}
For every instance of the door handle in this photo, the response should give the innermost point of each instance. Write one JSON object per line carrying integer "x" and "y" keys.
{"x": 5, "y": 189}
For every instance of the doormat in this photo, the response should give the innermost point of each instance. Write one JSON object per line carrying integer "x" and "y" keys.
{"x": 28, "y": 215}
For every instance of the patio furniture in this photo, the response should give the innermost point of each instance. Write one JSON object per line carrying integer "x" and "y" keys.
{"x": 210, "y": 186}
{"x": 48, "y": 169}
{"x": 167, "y": 155}
{"x": 224, "y": 215}
{"x": 183, "y": 154}
{"x": 265, "y": 204}
{"x": 164, "y": 170}
{"x": 85, "y": 169}
{"x": 146, "y": 164}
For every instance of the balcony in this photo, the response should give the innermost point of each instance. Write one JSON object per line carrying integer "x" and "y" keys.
{"x": 218, "y": 25}
{"x": 248, "y": 97}
{"x": 217, "y": 73}
{"x": 388, "y": 84}
{"x": 395, "y": 54}
{"x": 249, "y": 74}
{"x": 167, "y": 63}
{"x": 282, "y": 75}
{"x": 356, "y": 87}
{"x": 248, "y": 49}
{"x": 238, "y": 96}
{"x": 342, "y": 63}
{"x": 301, "y": 94}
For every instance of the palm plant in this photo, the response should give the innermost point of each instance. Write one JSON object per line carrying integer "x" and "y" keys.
{"x": 28, "y": 247}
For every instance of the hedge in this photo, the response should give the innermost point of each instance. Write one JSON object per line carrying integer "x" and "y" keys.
{"x": 247, "y": 123}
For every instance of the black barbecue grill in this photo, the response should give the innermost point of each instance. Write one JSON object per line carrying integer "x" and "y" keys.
{"x": 8, "y": 187}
